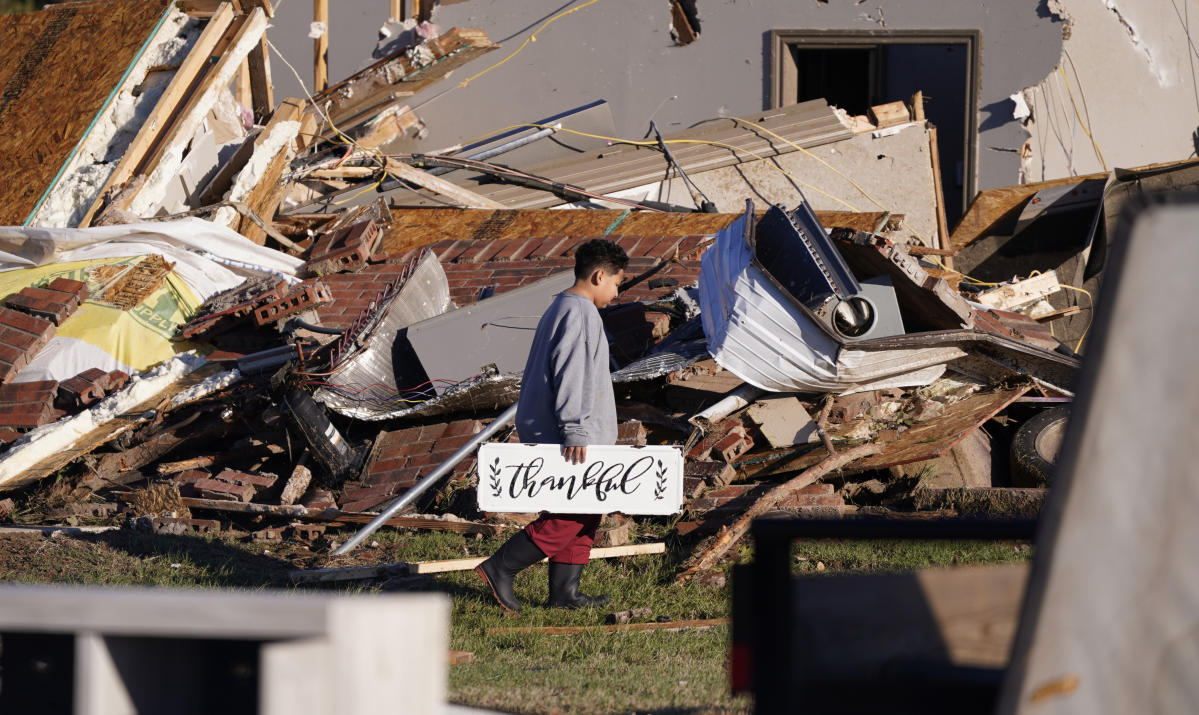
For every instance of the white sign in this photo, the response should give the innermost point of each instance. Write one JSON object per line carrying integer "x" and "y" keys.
{"x": 535, "y": 477}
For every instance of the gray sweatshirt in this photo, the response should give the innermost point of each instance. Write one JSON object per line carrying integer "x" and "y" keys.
{"x": 566, "y": 391}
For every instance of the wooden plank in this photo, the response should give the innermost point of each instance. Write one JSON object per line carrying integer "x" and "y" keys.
{"x": 270, "y": 158}
{"x": 918, "y": 107}
{"x": 357, "y": 573}
{"x": 361, "y": 95}
{"x": 164, "y": 161}
{"x": 667, "y": 627}
{"x": 1064, "y": 312}
{"x": 995, "y": 206}
{"x": 343, "y": 172}
{"x": 398, "y": 11}
{"x": 242, "y": 93}
{"x": 890, "y": 114}
{"x": 58, "y": 71}
{"x": 942, "y": 224}
{"x": 320, "y": 51}
{"x": 463, "y": 196}
{"x": 193, "y": 65}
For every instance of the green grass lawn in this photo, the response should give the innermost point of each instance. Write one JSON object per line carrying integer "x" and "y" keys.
{"x": 593, "y": 672}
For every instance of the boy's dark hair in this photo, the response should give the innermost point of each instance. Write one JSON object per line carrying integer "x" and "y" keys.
{"x": 599, "y": 253}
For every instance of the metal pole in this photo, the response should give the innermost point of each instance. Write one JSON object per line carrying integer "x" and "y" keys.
{"x": 428, "y": 481}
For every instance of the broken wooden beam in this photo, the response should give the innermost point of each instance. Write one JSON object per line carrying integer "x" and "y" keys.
{"x": 460, "y": 195}
{"x": 166, "y": 107}
{"x": 767, "y": 501}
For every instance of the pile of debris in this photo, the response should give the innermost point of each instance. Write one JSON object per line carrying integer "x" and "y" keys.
{"x": 312, "y": 333}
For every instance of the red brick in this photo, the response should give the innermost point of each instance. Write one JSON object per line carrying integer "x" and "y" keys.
{"x": 735, "y": 443}
{"x": 67, "y": 285}
{"x": 513, "y": 251}
{"x": 118, "y": 378}
{"x": 14, "y": 356}
{"x": 41, "y": 391}
{"x": 399, "y": 450}
{"x": 257, "y": 481}
{"x": 68, "y": 299}
{"x": 319, "y": 499}
{"x": 25, "y": 323}
{"x": 77, "y": 392}
{"x": 462, "y": 427}
{"x": 8, "y": 435}
{"x": 216, "y": 489}
{"x": 731, "y": 491}
{"x": 39, "y": 307}
{"x": 632, "y": 432}
{"x": 25, "y": 416}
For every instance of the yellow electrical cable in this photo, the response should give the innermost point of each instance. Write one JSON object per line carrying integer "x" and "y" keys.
{"x": 531, "y": 38}
{"x": 1081, "y": 123}
{"x": 634, "y": 142}
{"x": 1090, "y": 318}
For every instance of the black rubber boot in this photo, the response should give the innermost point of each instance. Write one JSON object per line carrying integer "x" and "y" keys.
{"x": 564, "y": 588}
{"x": 499, "y": 571}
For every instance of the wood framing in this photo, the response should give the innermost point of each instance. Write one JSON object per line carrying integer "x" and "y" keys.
{"x": 164, "y": 162}
{"x": 164, "y": 110}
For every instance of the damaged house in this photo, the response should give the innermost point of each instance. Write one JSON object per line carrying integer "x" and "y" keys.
{"x": 863, "y": 253}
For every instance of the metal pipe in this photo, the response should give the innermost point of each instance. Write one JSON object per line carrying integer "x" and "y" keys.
{"x": 428, "y": 481}
{"x": 501, "y": 149}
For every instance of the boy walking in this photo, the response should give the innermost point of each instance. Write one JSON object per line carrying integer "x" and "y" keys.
{"x": 566, "y": 399}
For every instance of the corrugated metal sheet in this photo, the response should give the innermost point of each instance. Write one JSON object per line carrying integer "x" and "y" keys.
{"x": 623, "y": 166}
{"x": 757, "y": 332}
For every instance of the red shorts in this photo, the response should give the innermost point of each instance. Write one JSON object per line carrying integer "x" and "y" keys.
{"x": 565, "y": 538}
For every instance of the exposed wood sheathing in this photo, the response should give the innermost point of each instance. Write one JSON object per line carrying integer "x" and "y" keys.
{"x": 412, "y": 228}
{"x": 58, "y": 68}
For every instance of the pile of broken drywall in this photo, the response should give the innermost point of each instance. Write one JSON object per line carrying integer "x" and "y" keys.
{"x": 239, "y": 316}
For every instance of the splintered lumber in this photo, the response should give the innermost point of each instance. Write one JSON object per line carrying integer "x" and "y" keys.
{"x": 194, "y": 426}
{"x": 358, "y": 573}
{"x": 666, "y": 626}
{"x": 320, "y": 46}
{"x": 890, "y": 114}
{"x": 262, "y": 92}
{"x": 463, "y": 196}
{"x": 942, "y": 222}
{"x": 59, "y": 69}
{"x": 257, "y": 184}
{"x": 162, "y": 164}
{"x": 730, "y": 536}
{"x": 401, "y": 75}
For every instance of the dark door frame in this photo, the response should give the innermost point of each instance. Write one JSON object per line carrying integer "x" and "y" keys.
{"x": 783, "y": 71}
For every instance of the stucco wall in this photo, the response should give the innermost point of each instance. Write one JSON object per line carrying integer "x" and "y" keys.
{"x": 621, "y": 51}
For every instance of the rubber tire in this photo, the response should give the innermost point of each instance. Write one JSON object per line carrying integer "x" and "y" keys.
{"x": 1035, "y": 445}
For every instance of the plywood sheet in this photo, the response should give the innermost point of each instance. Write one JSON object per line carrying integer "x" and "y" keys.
{"x": 411, "y": 228}
{"x": 58, "y": 68}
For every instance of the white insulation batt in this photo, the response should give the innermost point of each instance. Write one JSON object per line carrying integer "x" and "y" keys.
{"x": 755, "y": 332}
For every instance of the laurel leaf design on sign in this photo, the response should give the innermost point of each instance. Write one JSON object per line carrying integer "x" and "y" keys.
{"x": 660, "y": 485}
{"x": 496, "y": 486}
